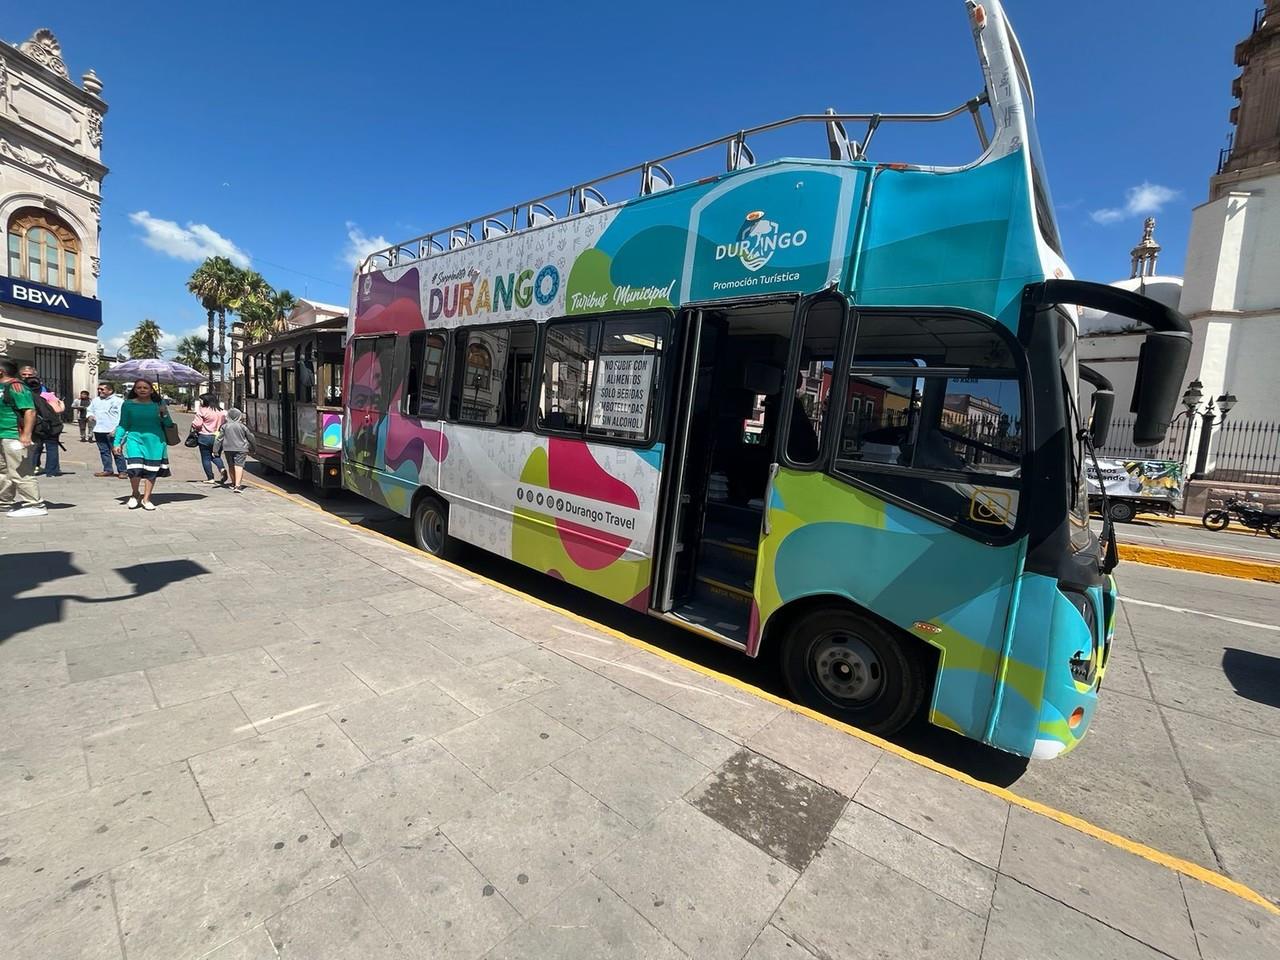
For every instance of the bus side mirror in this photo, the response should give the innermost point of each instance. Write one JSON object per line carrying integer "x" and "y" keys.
{"x": 1162, "y": 363}
{"x": 1104, "y": 403}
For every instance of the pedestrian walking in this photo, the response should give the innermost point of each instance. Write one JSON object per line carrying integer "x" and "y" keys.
{"x": 205, "y": 425}
{"x": 104, "y": 417}
{"x": 19, "y": 492}
{"x": 47, "y": 433}
{"x": 235, "y": 442}
{"x": 141, "y": 439}
{"x": 82, "y": 414}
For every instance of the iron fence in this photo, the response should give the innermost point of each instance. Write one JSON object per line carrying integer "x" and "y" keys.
{"x": 1240, "y": 451}
{"x": 1120, "y": 445}
{"x": 1245, "y": 451}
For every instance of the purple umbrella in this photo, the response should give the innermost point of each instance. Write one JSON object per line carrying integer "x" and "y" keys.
{"x": 157, "y": 371}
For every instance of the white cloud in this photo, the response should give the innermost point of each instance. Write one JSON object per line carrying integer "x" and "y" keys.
{"x": 360, "y": 245}
{"x": 194, "y": 242}
{"x": 1140, "y": 201}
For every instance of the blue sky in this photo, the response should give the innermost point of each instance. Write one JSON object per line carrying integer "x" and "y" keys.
{"x": 292, "y": 133}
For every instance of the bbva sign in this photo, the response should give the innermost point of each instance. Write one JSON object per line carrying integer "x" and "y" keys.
{"x": 39, "y": 296}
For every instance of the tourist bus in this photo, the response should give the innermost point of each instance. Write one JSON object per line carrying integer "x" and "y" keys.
{"x": 293, "y": 402}
{"x": 568, "y": 382}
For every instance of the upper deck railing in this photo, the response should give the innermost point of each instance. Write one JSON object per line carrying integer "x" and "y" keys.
{"x": 654, "y": 176}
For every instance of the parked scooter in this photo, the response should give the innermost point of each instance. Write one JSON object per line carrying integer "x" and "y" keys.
{"x": 1252, "y": 515}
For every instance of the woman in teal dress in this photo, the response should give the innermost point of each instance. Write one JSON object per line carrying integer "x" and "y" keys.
{"x": 140, "y": 439}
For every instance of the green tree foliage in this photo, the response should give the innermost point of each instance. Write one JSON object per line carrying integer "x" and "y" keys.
{"x": 144, "y": 342}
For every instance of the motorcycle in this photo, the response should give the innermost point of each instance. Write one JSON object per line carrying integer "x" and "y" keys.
{"x": 1251, "y": 515}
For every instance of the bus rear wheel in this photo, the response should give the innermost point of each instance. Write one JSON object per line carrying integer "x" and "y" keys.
{"x": 431, "y": 527}
{"x": 850, "y": 667}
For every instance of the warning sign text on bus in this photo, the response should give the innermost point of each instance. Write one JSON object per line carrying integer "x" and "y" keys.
{"x": 621, "y": 400}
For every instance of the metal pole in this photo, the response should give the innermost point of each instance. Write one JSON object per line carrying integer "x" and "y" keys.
{"x": 209, "y": 350}
{"x": 1206, "y": 437}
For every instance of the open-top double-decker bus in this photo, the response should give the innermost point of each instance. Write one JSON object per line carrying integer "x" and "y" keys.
{"x": 819, "y": 409}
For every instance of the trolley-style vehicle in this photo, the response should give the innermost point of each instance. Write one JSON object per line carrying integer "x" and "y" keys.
{"x": 293, "y": 402}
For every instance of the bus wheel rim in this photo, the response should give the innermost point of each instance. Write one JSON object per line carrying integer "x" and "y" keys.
{"x": 846, "y": 668}
{"x": 432, "y": 529}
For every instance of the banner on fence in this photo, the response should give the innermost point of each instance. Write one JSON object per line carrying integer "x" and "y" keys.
{"x": 1148, "y": 479}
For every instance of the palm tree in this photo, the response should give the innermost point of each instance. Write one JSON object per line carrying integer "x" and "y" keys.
{"x": 190, "y": 350}
{"x": 144, "y": 342}
{"x": 215, "y": 283}
{"x": 282, "y": 303}
{"x": 256, "y": 318}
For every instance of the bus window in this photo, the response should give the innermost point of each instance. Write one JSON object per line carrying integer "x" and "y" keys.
{"x": 496, "y": 376}
{"x": 626, "y": 376}
{"x": 250, "y": 385}
{"x": 823, "y": 324}
{"x": 331, "y": 383}
{"x": 568, "y": 359}
{"x": 307, "y": 374}
{"x": 432, "y": 378}
{"x": 272, "y": 375}
{"x": 932, "y": 395}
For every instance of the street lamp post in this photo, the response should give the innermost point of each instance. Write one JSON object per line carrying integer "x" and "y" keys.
{"x": 1191, "y": 399}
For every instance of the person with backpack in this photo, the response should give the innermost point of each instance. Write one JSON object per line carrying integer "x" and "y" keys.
{"x": 47, "y": 433}
{"x": 235, "y": 440}
{"x": 19, "y": 492}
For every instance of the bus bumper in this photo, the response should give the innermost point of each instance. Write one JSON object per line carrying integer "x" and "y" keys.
{"x": 1079, "y": 630}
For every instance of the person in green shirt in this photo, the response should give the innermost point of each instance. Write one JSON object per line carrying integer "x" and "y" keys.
{"x": 140, "y": 439}
{"x": 19, "y": 493}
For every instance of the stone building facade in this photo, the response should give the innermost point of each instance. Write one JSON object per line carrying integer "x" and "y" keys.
{"x": 50, "y": 205}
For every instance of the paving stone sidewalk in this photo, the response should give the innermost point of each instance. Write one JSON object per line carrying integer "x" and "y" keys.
{"x": 236, "y": 728}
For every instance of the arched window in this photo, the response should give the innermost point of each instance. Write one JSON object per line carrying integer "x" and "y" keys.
{"x": 44, "y": 249}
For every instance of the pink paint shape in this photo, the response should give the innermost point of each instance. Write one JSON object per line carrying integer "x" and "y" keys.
{"x": 571, "y": 469}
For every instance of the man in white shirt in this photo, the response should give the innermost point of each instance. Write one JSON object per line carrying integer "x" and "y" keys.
{"x": 104, "y": 412}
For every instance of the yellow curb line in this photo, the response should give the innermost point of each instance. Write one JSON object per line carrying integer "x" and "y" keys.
{"x": 1201, "y": 563}
{"x": 1176, "y": 864}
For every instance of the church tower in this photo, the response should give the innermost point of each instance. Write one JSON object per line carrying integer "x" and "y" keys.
{"x": 1231, "y": 287}
{"x": 1256, "y": 118}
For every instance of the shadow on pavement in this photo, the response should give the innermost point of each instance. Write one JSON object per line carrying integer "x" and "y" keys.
{"x": 21, "y": 573}
{"x": 1255, "y": 676}
{"x": 162, "y": 498}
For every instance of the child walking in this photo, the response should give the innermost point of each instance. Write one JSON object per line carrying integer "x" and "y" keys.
{"x": 236, "y": 441}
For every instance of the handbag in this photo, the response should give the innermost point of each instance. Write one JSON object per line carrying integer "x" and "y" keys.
{"x": 193, "y": 438}
{"x": 171, "y": 437}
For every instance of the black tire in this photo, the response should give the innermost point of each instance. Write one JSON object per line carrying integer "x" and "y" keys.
{"x": 1122, "y": 511}
{"x": 882, "y": 679}
{"x": 1216, "y": 519}
{"x": 315, "y": 474}
{"x": 431, "y": 528}
{"x": 1273, "y": 528}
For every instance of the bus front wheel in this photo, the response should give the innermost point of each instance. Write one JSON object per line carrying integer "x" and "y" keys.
{"x": 431, "y": 527}
{"x": 853, "y": 669}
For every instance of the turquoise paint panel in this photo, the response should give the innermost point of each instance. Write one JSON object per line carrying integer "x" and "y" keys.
{"x": 773, "y": 229}
{"x": 911, "y": 574}
{"x": 1048, "y": 631}
{"x": 965, "y": 238}
{"x": 652, "y": 456}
